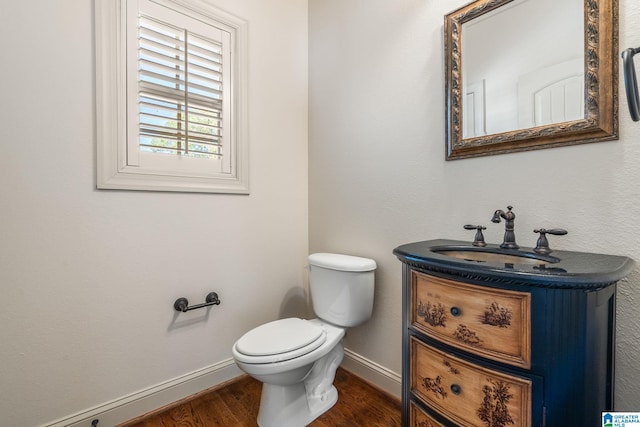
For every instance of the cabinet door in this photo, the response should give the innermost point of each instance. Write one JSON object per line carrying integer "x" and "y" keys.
{"x": 493, "y": 323}
{"x": 468, "y": 394}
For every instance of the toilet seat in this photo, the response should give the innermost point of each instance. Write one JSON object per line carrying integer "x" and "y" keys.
{"x": 279, "y": 340}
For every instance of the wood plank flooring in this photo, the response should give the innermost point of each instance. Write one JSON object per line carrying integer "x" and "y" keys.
{"x": 235, "y": 404}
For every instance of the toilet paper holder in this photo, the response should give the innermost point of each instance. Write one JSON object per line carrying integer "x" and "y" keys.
{"x": 182, "y": 304}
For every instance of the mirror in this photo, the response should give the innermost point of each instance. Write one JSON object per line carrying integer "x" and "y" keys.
{"x": 521, "y": 78}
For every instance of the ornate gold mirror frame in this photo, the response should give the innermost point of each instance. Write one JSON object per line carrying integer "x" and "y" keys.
{"x": 600, "y": 122}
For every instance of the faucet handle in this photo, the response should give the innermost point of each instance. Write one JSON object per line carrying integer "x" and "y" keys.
{"x": 479, "y": 238}
{"x": 542, "y": 246}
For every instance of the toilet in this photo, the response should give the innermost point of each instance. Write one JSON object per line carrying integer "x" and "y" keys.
{"x": 296, "y": 359}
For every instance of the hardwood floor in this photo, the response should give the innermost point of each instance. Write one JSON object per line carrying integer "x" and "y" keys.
{"x": 235, "y": 404}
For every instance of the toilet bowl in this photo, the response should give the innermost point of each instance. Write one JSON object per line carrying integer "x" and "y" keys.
{"x": 293, "y": 395}
{"x": 296, "y": 359}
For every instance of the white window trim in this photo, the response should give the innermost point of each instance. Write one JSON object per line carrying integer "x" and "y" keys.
{"x": 111, "y": 105}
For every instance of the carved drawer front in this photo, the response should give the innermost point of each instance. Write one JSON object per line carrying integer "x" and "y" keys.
{"x": 420, "y": 419}
{"x": 494, "y": 323}
{"x": 467, "y": 394}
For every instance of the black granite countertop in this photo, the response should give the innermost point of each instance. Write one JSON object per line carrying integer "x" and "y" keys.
{"x": 559, "y": 269}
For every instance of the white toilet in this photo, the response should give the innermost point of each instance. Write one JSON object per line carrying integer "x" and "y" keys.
{"x": 297, "y": 359}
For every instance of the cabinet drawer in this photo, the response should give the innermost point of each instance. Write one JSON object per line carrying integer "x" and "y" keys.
{"x": 493, "y": 323}
{"x": 420, "y": 419}
{"x": 468, "y": 394}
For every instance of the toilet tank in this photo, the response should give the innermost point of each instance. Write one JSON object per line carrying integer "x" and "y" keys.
{"x": 341, "y": 288}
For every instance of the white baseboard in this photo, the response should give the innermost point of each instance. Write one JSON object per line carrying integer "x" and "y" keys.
{"x": 149, "y": 399}
{"x": 376, "y": 374}
{"x": 139, "y": 403}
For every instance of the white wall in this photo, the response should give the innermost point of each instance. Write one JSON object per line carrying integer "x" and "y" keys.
{"x": 378, "y": 177}
{"x": 89, "y": 277}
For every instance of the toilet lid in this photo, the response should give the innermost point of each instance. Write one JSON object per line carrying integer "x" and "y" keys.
{"x": 280, "y": 336}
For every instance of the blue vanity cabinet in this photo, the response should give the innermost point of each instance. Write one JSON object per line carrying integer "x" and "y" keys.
{"x": 483, "y": 348}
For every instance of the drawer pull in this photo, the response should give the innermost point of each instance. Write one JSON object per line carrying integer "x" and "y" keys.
{"x": 455, "y": 389}
{"x": 455, "y": 311}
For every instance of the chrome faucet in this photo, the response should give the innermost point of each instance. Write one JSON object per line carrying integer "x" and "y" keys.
{"x": 509, "y": 235}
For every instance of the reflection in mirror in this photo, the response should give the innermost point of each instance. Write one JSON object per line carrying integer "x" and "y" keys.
{"x": 529, "y": 73}
{"x": 520, "y": 77}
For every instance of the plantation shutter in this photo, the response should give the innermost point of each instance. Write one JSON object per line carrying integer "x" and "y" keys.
{"x": 182, "y": 92}
{"x": 171, "y": 97}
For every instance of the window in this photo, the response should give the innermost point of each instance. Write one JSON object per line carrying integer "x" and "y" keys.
{"x": 170, "y": 97}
